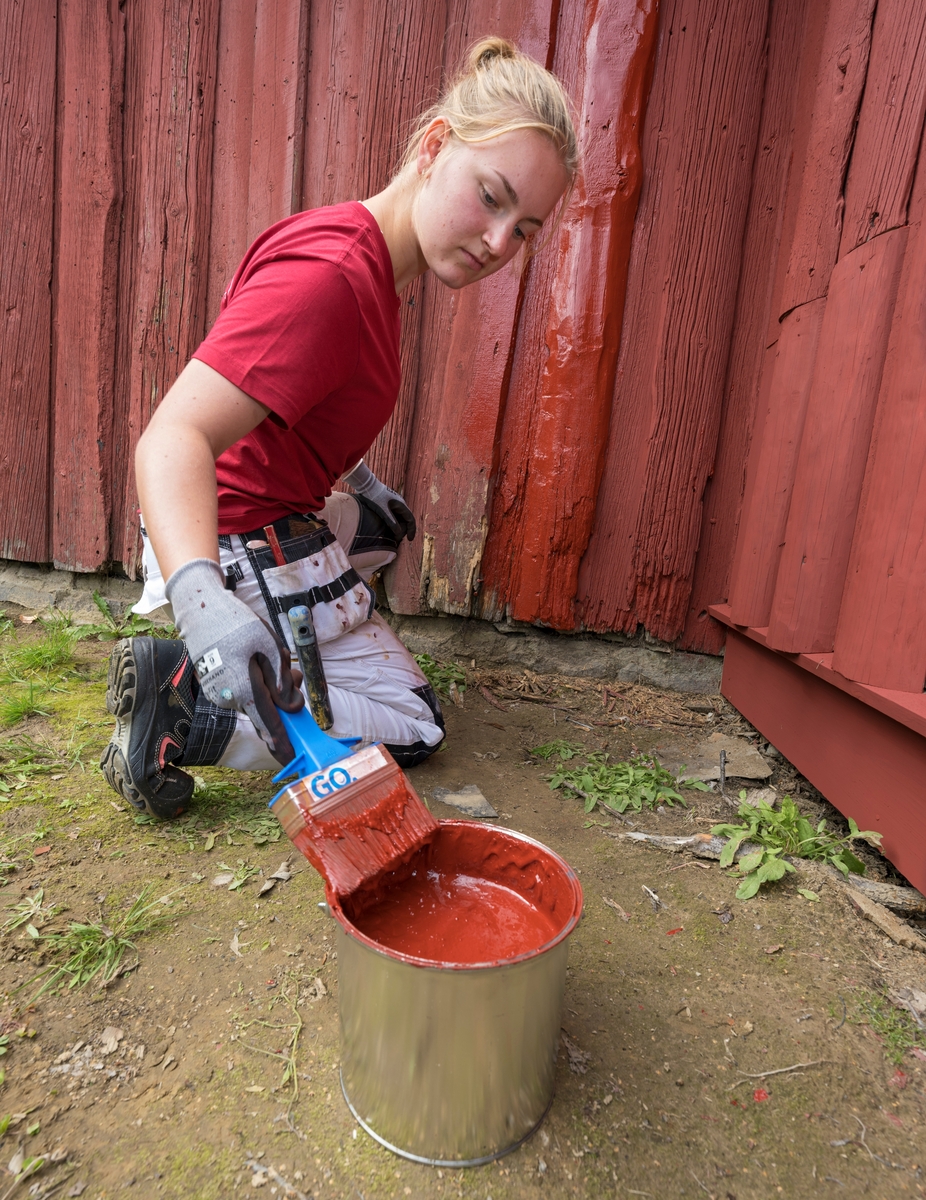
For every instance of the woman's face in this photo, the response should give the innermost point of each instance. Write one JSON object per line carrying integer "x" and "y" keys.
{"x": 478, "y": 201}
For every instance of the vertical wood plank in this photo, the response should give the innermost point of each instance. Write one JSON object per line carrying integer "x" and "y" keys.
{"x": 830, "y": 94}
{"x": 27, "y": 143}
{"x": 89, "y": 198}
{"x": 556, "y": 424}
{"x": 890, "y": 124}
{"x": 232, "y": 139}
{"x": 881, "y": 634}
{"x": 171, "y": 53}
{"x": 786, "y": 381}
{"x": 372, "y": 69}
{"x": 723, "y": 496}
{"x": 698, "y": 150}
{"x": 464, "y": 359}
{"x": 834, "y": 446}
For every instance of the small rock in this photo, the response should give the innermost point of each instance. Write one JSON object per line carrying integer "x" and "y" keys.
{"x": 110, "y": 1039}
{"x": 468, "y": 800}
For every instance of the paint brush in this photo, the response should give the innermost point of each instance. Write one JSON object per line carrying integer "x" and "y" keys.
{"x": 352, "y": 813}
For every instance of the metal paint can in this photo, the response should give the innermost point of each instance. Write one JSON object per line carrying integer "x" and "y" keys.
{"x": 454, "y": 1065}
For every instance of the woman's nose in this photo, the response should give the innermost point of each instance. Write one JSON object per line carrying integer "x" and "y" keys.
{"x": 497, "y": 237}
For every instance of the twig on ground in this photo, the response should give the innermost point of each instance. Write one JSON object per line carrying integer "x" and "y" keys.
{"x": 487, "y": 695}
{"x": 617, "y": 908}
{"x": 778, "y": 1071}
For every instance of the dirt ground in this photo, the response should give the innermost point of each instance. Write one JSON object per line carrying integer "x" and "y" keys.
{"x": 168, "y": 1083}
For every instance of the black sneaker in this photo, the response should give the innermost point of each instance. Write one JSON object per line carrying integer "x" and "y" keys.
{"x": 150, "y": 693}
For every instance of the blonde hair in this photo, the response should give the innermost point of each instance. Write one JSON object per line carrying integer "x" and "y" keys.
{"x": 499, "y": 90}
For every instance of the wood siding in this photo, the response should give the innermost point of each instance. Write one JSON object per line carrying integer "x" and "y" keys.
{"x": 707, "y": 390}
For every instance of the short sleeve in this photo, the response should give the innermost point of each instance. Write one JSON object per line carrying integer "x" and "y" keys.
{"x": 287, "y": 335}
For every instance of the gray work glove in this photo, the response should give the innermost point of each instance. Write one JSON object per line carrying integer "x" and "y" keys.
{"x": 389, "y": 504}
{"x": 238, "y": 661}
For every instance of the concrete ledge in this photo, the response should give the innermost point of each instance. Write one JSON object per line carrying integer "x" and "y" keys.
{"x": 42, "y": 589}
{"x": 547, "y": 653}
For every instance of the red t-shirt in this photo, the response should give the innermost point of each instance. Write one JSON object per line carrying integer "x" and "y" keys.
{"x": 309, "y": 326}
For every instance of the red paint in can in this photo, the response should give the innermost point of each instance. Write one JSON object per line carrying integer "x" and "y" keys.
{"x": 475, "y": 896}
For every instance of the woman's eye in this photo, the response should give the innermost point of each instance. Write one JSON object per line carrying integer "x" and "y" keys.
{"x": 489, "y": 199}
{"x": 519, "y": 232}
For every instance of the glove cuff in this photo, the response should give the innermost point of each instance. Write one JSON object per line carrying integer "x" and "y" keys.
{"x": 361, "y": 478}
{"x": 186, "y": 586}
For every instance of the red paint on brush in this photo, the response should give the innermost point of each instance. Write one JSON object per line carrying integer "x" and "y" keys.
{"x": 474, "y": 896}
{"x": 355, "y": 834}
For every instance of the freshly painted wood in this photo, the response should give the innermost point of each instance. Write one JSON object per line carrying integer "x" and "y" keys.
{"x": 723, "y": 493}
{"x": 867, "y": 765}
{"x": 834, "y": 445}
{"x": 698, "y": 148}
{"x": 786, "y": 381}
{"x": 556, "y": 426}
{"x": 881, "y": 635}
{"x": 890, "y": 124}
{"x": 169, "y": 105}
{"x": 463, "y": 355}
{"x": 27, "y": 149}
{"x": 907, "y": 708}
{"x": 830, "y": 94}
{"x": 89, "y": 196}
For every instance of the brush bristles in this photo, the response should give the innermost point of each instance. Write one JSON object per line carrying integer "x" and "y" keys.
{"x": 362, "y": 831}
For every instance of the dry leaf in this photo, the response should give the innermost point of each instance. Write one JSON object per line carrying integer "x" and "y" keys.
{"x": 224, "y": 879}
{"x": 255, "y": 1088}
{"x": 283, "y": 873}
{"x": 235, "y": 945}
{"x": 774, "y": 949}
{"x": 267, "y": 886}
{"x": 16, "y": 1162}
{"x": 578, "y": 1059}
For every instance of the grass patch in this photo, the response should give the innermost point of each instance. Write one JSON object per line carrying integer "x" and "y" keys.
{"x": 895, "y": 1027}
{"x": 54, "y": 649}
{"x": 785, "y": 832}
{"x": 94, "y": 952}
{"x": 223, "y": 814}
{"x": 15, "y": 709}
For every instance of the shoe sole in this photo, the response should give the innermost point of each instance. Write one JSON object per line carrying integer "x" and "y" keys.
{"x": 121, "y": 691}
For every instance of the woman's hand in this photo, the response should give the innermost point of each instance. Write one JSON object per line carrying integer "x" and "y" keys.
{"x": 389, "y": 504}
{"x": 238, "y": 661}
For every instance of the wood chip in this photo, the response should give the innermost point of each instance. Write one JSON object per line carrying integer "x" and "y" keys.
{"x": 895, "y": 929}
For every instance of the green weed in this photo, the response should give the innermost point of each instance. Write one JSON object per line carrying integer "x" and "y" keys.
{"x": 444, "y": 678}
{"x": 561, "y": 749}
{"x": 785, "y": 833}
{"x": 896, "y": 1028}
{"x": 615, "y": 786}
{"x": 129, "y": 625}
{"x": 94, "y": 951}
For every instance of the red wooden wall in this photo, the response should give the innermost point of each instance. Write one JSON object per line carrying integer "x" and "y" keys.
{"x": 730, "y": 308}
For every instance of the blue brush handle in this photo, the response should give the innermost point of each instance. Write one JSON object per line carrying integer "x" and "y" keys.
{"x": 314, "y": 749}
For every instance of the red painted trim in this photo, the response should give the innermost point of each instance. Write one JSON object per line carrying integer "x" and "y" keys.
{"x": 906, "y": 708}
{"x": 869, "y": 766}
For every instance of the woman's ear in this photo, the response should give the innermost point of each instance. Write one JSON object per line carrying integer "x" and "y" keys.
{"x": 433, "y": 140}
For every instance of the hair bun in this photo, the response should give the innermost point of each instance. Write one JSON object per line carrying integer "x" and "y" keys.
{"x": 487, "y": 50}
